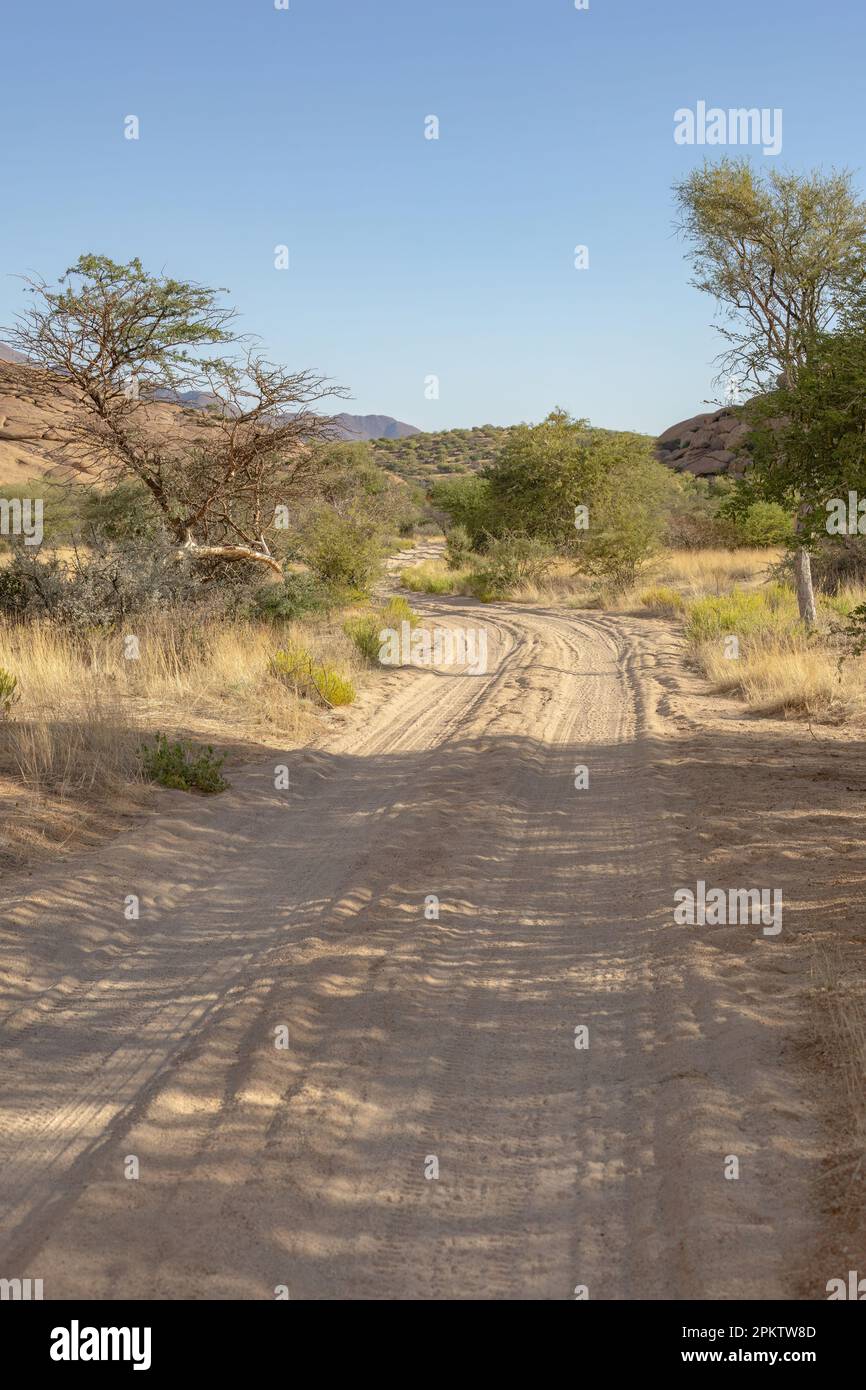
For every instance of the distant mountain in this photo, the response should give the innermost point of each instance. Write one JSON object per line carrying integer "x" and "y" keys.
{"x": 374, "y": 427}
{"x": 422, "y": 457}
{"x": 195, "y": 400}
{"x": 9, "y": 354}
{"x": 350, "y": 426}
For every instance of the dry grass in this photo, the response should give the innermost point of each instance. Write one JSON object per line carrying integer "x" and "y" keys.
{"x": 697, "y": 573}
{"x": 690, "y": 573}
{"x": 776, "y": 666}
{"x": 73, "y": 736}
{"x": 787, "y": 676}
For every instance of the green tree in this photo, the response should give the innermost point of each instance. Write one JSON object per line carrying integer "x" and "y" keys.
{"x": 542, "y": 474}
{"x": 784, "y": 255}
{"x": 808, "y": 438}
{"x": 467, "y": 503}
{"x": 115, "y": 339}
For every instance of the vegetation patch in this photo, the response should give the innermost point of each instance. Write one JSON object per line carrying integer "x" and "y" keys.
{"x": 296, "y": 667}
{"x": 181, "y": 768}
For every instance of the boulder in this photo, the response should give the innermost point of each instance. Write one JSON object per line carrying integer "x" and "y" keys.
{"x": 705, "y": 445}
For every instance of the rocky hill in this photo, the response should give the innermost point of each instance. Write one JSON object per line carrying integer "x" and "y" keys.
{"x": 374, "y": 427}
{"x": 31, "y": 433}
{"x": 706, "y": 444}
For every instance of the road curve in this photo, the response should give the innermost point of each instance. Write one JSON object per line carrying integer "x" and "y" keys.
{"x": 431, "y": 1130}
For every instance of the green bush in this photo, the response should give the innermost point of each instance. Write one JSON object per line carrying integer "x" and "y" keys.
{"x": 466, "y": 501}
{"x": 297, "y": 596}
{"x": 364, "y": 632}
{"x": 458, "y": 548}
{"x": 508, "y": 562}
{"x": 8, "y": 688}
{"x": 665, "y": 602}
{"x": 181, "y": 768}
{"x": 343, "y": 551}
{"x": 125, "y": 513}
{"x": 332, "y": 687}
{"x": 294, "y": 666}
{"x": 764, "y": 523}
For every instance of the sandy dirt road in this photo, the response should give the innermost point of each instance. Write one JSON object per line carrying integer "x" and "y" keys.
{"x": 409, "y": 1038}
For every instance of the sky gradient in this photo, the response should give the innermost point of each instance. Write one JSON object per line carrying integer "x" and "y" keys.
{"x": 412, "y": 257}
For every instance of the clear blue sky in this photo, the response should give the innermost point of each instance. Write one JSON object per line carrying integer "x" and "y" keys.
{"x": 412, "y": 257}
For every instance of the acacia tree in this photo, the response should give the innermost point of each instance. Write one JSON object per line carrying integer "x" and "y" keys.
{"x": 784, "y": 255}
{"x": 115, "y": 340}
{"x": 808, "y": 440}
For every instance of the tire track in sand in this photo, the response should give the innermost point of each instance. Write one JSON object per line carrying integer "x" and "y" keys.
{"x": 409, "y": 1037}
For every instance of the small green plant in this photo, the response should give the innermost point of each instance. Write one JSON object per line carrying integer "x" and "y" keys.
{"x": 8, "y": 690}
{"x": 364, "y": 632}
{"x": 177, "y": 766}
{"x": 331, "y": 687}
{"x": 294, "y": 666}
{"x": 665, "y": 602}
{"x": 396, "y": 611}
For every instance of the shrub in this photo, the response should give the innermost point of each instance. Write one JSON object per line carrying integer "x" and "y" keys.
{"x": 125, "y": 513}
{"x": 296, "y": 596}
{"x": 343, "y": 551}
{"x": 8, "y": 688}
{"x": 619, "y": 541}
{"x": 667, "y": 603}
{"x": 110, "y": 582}
{"x": 364, "y": 632}
{"x": 458, "y": 548}
{"x": 13, "y": 594}
{"x": 175, "y": 765}
{"x": 99, "y": 588}
{"x": 835, "y": 563}
{"x": 509, "y": 561}
{"x": 764, "y": 523}
{"x": 332, "y": 687}
{"x": 466, "y": 501}
{"x": 294, "y": 666}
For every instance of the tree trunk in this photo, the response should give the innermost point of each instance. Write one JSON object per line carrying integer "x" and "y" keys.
{"x": 805, "y": 592}
{"x": 230, "y": 552}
